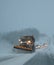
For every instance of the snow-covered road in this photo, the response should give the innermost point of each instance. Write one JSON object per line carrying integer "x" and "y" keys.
{"x": 8, "y": 57}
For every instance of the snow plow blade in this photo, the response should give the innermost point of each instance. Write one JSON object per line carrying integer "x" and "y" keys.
{"x": 23, "y": 48}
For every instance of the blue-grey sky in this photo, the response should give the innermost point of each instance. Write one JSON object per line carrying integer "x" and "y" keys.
{"x": 20, "y": 14}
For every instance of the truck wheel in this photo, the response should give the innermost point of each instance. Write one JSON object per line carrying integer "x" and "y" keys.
{"x": 33, "y": 49}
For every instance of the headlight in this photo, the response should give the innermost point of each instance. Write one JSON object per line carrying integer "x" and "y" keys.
{"x": 19, "y": 40}
{"x": 39, "y": 46}
{"x": 28, "y": 42}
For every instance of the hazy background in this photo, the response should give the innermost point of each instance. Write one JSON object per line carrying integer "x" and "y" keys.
{"x": 20, "y": 14}
{"x": 26, "y": 17}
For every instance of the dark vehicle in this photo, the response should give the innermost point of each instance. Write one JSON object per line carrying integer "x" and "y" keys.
{"x": 26, "y": 43}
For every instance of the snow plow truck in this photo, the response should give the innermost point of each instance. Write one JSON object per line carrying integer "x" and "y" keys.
{"x": 26, "y": 43}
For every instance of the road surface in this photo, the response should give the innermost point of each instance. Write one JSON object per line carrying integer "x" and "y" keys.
{"x": 39, "y": 57}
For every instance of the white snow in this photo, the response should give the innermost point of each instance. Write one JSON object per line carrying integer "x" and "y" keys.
{"x": 6, "y": 53}
{"x": 9, "y": 58}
